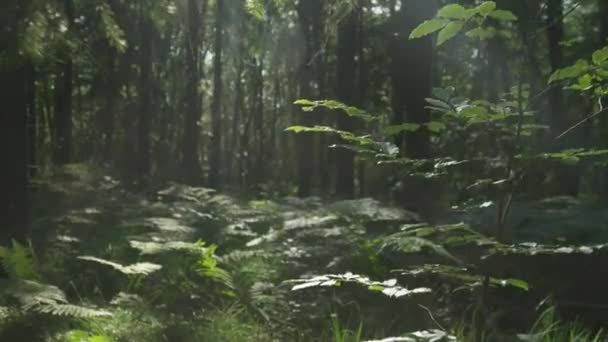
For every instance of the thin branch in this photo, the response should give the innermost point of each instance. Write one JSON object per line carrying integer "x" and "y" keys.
{"x": 580, "y": 123}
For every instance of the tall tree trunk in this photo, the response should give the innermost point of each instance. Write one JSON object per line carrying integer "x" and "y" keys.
{"x": 603, "y": 119}
{"x": 32, "y": 119}
{"x": 14, "y": 201}
{"x": 191, "y": 138}
{"x": 215, "y": 145}
{"x": 555, "y": 34}
{"x": 260, "y": 162}
{"x": 566, "y": 181}
{"x": 235, "y": 147}
{"x": 307, "y": 11}
{"x": 145, "y": 98}
{"x": 346, "y": 90}
{"x": 63, "y": 97}
{"x": 108, "y": 113}
{"x": 411, "y": 82}
{"x": 603, "y": 11}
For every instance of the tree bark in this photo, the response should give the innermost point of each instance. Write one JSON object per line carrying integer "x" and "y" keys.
{"x": 191, "y": 138}
{"x": 215, "y": 145}
{"x": 143, "y": 167}
{"x": 346, "y": 90}
{"x": 307, "y": 11}
{"x": 411, "y": 71}
{"x": 14, "y": 146}
{"x": 63, "y": 97}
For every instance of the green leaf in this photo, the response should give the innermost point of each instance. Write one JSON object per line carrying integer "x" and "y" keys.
{"x": 481, "y": 33}
{"x": 398, "y": 129}
{"x": 143, "y": 268}
{"x": 486, "y": 8}
{"x": 449, "y": 32}
{"x": 600, "y": 56}
{"x": 453, "y": 11}
{"x": 256, "y": 9}
{"x": 503, "y": 15}
{"x": 428, "y": 27}
{"x": 570, "y": 72}
{"x": 435, "y": 126}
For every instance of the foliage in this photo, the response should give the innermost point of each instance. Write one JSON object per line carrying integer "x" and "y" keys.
{"x": 388, "y": 287}
{"x": 45, "y": 299}
{"x": 453, "y": 18}
{"x": 18, "y": 262}
{"x": 141, "y": 268}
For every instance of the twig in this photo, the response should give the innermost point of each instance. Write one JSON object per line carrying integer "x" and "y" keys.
{"x": 580, "y": 123}
{"x": 432, "y": 317}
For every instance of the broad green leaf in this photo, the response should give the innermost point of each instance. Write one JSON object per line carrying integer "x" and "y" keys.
{"x": 398, "y": 129}
{"x": 435, "y": 126}
{"x": 600, "y": 56}
{"x": 304, "y": 102}
{"x": 503, "y": 15}
{"x": 486, "y": 8}
{"x": 428, "y": 27}
{"x": 453, "y": 11}
{"x": 481, "y": 33}
{"x": 570, "y": 72}
{"x": 449, "y": 32}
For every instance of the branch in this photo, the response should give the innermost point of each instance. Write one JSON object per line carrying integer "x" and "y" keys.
{"x": 580, "y": 123}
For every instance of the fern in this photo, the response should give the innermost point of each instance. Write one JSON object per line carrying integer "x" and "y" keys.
{"x": 18, "y": 262}
{"x": 207, "y": 267}
{"x": 141, "y": 268}
{"x": 46, "y": 299}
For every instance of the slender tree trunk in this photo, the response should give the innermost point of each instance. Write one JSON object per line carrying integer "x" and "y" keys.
{"x": 603, "y": 11}
{"x": 235, "y": 154}
{"x": 346, "y": 90}
{"x": 145, "y": 98}
{"x": 603, "y": 119}
{"x": 14, "y": 147}
{"x": 191, "y": 137}
{"x": 307, "y": 11}
{"x": 32, "y": 119}
{"x": 215, "y": 145}
{"x": 260, "y": 163}
{"x": 567, "y": 176}
{"x": 411, "y": 82}
{"x": 108, "y": 112}
{"x": 63, "y": 98}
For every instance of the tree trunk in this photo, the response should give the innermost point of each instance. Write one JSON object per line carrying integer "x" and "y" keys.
{"x": 411, "y": 84}
{"x": 555, "y": 34}
{"x": 32, "y": 120}
{"x": 603, "y": 119}
{"x": 235, "y": 147}
{"x": 307, "y": 11}
{"x": 191, "y": 138}
{"x": 215, "y": 145}
{"x": 14, "y": 201}
{"x": 63, "y": 98}
{"x": 346, "y": 90}
{"x": 603, "y": 7}
{"x": 145, "y": 98}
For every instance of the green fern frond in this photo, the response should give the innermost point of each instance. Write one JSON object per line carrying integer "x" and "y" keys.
{"x": 207, "y": 267}
{"x": 140, "y": 268}
{"x": 18, "y": 262}
{"x": 46, "y": 299}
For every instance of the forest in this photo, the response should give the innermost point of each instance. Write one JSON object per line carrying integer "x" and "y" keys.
{"x": 303, "y": 170}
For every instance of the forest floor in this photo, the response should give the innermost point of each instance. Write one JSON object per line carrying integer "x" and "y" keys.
{"x": 139, "y": 259}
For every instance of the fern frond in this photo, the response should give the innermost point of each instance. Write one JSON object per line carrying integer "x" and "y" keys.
{"x": 142, "y": 268}
{"x": 47, "y": 299}
{"x": 18, "y": 261}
